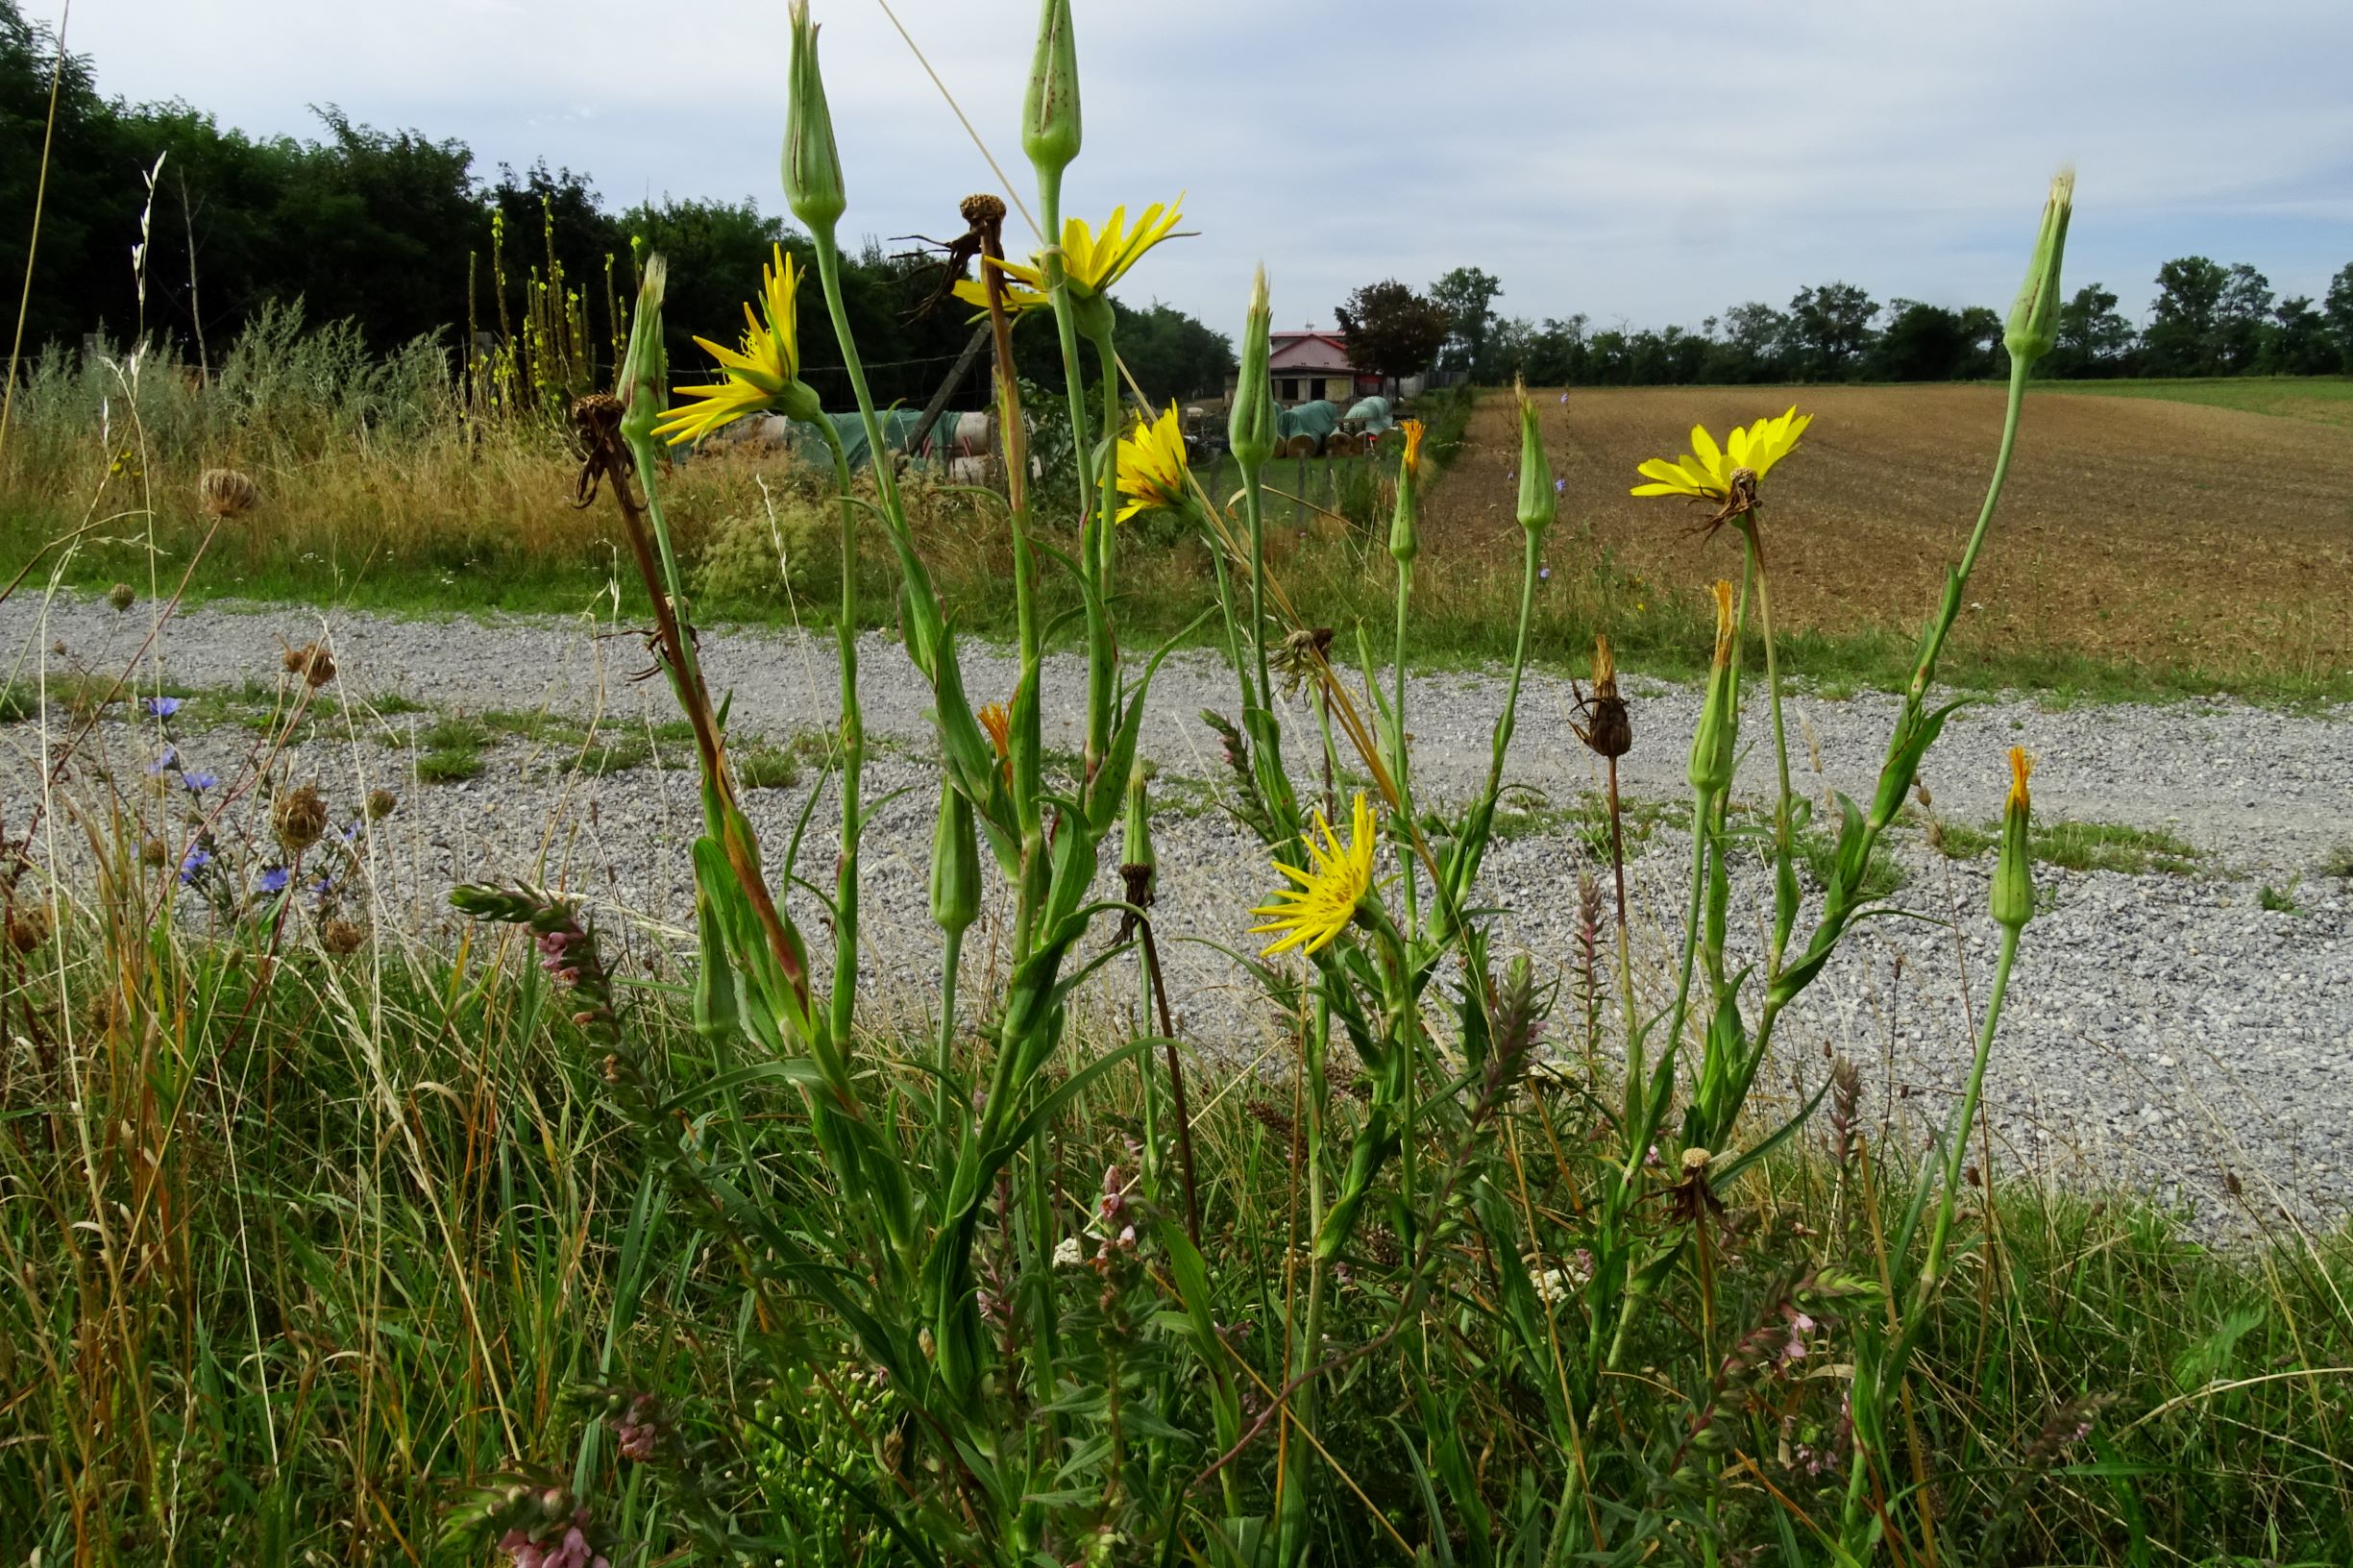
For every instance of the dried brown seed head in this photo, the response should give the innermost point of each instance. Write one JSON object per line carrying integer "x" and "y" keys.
{"x": 300, "y": 818}
{"x": 225, "y": 493}
{"x": 312, "y": 662}
{"x": 342, "y": 938}
{"x": 122, "y": 595}
{"x": 381, "y": 804}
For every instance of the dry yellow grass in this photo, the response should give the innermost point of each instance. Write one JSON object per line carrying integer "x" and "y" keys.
{"x": 2133, "y": 531}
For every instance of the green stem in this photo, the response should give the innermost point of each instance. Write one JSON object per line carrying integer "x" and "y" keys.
{"x": 1254, "y": 518}
{"x": 1781, "y": 847}
{"x": 1399, "y": 757}
{"x": 944, "y": 1114}
{"x": 845, "y": 991}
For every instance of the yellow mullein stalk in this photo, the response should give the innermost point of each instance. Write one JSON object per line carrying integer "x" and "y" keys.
{"x": 1091, "y": 262}
{"x": 763, "y": 376}
{"x": 1707, "y": 471}
{"x": 1325, "y": 900}
{"x": 1152, "y": 465}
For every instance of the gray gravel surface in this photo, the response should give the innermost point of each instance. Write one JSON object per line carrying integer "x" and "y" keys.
{"x": 2163, "y": 1032}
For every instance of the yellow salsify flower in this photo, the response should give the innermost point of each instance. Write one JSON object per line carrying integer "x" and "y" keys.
{"x": 1152, "y": 465}
{"x": 1413, "y": 444}
{"x": 759, "y": 375}
{"x": 998, "y": 723}
{"x": 1707, "y": 471}
{"x": 2021, "y": 767}
{"x": 1093, "y": 262}
{"x": 1325, "y": 900}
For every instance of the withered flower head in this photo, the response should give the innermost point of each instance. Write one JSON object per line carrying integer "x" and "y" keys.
{"x": 122, "y": 595}
{"x": 381, "y": 804}
{"x": 300, "y": 818}
{"x": 27, "y": 927}
{"x": 1300, "y": 659}
{"x": 225, "y": 493}
{"x": 312, "y": 662}
{"x": 342, "y": 938}
{"x": 1603, "y": 723}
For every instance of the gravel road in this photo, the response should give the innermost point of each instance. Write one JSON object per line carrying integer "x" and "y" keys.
{"x": 2163, "y": 1032}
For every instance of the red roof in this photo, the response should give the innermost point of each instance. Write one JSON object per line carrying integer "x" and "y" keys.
{"x": 1309, "y": 351}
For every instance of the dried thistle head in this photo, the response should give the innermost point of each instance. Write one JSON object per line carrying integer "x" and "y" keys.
{"x": 224, "y": 493}
{"x": 312, "y": 662}
{"x": 122, "y": 595}
{"x": 342, "y": 938}
{"x": 28, "y": 926}
{"x": 382, "y": 803}
{"x": 300, "y": 819}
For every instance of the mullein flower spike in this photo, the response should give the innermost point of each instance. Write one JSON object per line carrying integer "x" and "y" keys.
{"x": 812, "y": 164}
{"x": 1405, "y": 542}
{"x": 1049, "y": 110}
{"x": 2033, "y": 327}
{"x": 1712, "y": 743}
{"x": 1539, "y": 498}
{"x": 2012, "y": 897}
{"x": 1250, "y": 429}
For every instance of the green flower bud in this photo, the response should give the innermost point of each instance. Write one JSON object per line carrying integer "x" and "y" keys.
{"x": 2034, "y": 318}
{"x": 644, "y": 370}
{"x": 1404, "y": 542}
{"x": 1713, "y": 743}
{"x": 1135, "y": 843}
{"x": 2012, "y": 897}
{"x": 955, "y": 863}
{"x": 1539, "y": 501}
{"x": 1250, "y": 427}
{"x": 812, "y": 164}
{"x": 1049, "y": 110}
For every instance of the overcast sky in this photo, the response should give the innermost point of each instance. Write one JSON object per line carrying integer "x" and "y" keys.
{"x": 1649, "y": 163}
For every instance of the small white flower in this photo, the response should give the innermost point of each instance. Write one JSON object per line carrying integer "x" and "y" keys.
{"x": 1067, "y": 1253}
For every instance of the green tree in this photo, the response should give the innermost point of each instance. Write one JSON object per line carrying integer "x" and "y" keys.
{"x": 2242, "y": 319}
{"x": 1921, "y": 343}
{"x": 1831, "y": 326}
{"x": 2296, "y": 341}
{"x": 1391, "y": 331}
{"x": 1468, "y": 295}
{"x": 1172, "y": 355}
{"x": 2094, "y": 336}
{"x": 1753, "y": 347}
{"x": 2180, "y": 341}
{"x": 2338, "y": 309}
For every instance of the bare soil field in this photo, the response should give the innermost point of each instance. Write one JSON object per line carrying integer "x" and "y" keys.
{"x": 2133, "y": 529}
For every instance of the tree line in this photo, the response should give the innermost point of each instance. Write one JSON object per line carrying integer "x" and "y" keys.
{"x": 2208, "y": 319}
{"x": 399, "y": 232}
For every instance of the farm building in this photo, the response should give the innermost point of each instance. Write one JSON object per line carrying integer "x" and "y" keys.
{"x": 1312, "y": 365}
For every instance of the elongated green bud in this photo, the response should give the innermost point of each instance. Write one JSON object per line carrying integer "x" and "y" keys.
{"x": 955, "y": 863}
{"x": 812, "y": 164}
{"x": 644, "y": 370}
{"x": 1136, "y": 856}
{"x": 1539, "y": 501}
{"x": 1250, "y": 427}
{"x": 2034, "y": 318}
{"x": 1050, "y": 112}
{"x": 1405, "y": 543}
{"x": 1713, "y": 743}
{"x": 2013, "y": 898}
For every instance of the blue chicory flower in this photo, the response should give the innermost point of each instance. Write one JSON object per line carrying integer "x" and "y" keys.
{"x": 166, "y": 763}
{"x": 162, "y": 708}
{"x": 192, "y": 863}
{"x": 200, "y": 780}
{"x": 273, "y": 880}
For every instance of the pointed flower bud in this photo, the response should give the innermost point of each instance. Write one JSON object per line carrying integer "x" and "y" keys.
{"x": 645, "y": 371}
{"x": 1250, "y": 427}
{"x": 1713, "y": 743}
{"x": 2034, "y": 318}
{"x": 812, "y": 164}
{"x": 1405, "y": 543}
{"x": 1539, "y": 501}
{"x": 2012, "y": 897}
{"x": 1136, "y": 846}
{"x": 955, "y": 864}
{"x": 1049, "y": 110}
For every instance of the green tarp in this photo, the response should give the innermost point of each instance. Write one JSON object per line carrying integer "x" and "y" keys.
{"x": 1371, "y": 415}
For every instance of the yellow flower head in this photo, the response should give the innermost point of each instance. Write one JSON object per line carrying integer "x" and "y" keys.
{"x": 1413, "y": 445}
{"x": 1325, "y": 900}
{"x": 1091, "y": 261}
{"x": 1708, "y": 474}
{"x": 2020, "y": 766}
{"x": 768, "y": 363}
{"x": 1152, "y": 465}
{"x": 998, "y": 723}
